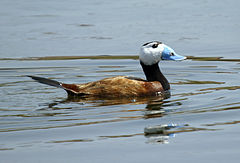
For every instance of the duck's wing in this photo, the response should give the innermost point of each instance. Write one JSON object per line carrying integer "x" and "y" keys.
{"x": 120, "y": 86}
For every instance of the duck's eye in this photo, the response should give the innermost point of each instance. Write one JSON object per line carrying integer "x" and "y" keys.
{"x": 154, "y": 45}
{"x": 172, "y": 54}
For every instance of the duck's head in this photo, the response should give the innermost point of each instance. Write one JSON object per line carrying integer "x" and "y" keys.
{"x": 155, "y": 51}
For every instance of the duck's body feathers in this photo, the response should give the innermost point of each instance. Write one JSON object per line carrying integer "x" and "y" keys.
{"x": 119, "y": 86}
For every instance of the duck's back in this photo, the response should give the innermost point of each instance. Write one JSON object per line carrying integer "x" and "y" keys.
{"x": 120, "y": 86}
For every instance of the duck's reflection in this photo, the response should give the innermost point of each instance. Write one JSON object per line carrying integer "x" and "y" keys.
{"x": 152, "y": 102}
{"x": 156, "y": 107}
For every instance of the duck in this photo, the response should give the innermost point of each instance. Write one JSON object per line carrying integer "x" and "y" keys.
{"x": 155, "y": 84}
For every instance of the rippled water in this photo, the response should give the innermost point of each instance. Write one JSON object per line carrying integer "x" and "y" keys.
{"x": 35, "y": 118}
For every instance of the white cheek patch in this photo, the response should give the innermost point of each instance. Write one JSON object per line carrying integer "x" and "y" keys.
{"x": 150, "y": 56}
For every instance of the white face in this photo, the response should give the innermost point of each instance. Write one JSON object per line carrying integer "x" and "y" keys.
{"x": 151, "y": 53}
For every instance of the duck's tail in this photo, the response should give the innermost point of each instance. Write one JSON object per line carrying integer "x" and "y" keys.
{"x": 72, "y": 89}
{"x": 47, "y": 81}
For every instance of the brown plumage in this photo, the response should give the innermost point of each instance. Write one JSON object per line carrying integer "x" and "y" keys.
{"x": 120, "y": 86}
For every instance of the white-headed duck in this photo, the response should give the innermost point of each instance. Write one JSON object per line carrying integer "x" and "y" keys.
{"x": 123, "y": 86}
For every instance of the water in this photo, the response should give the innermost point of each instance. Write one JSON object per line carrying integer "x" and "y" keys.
{"x": 39, "y": 124}
{"x": 50, "y": 28}
{"x": 37, "y": 120}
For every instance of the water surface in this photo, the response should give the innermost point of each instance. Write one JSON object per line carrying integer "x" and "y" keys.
{"x": 50, "y": 28}
{"x": 82, "y": 41}
{"x": 37, "y": 119}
